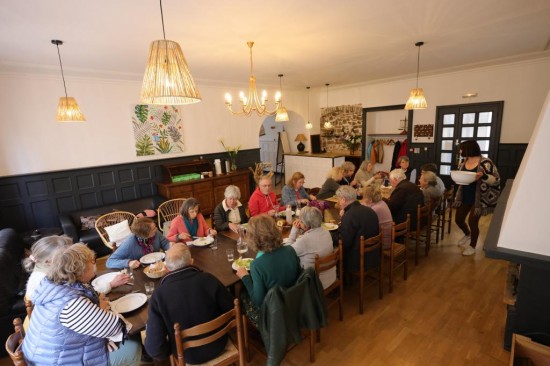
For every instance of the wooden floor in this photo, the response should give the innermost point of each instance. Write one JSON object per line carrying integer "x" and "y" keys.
{"x": 448, "y": 312}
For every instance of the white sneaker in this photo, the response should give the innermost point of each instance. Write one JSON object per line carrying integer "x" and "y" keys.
{"x": 464, "y": 241}
{"x": 469, "y": 251}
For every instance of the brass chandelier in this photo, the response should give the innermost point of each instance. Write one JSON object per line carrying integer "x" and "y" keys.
{"x": 252, "y": 102}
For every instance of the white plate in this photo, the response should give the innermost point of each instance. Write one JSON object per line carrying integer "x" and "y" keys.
{"x": 99, "y": 282}
{"x": 202, "y": 242}
{"x": 235, "y": 265}
{"x": 128, "y": 303}
{"x": 283, "y": 213}
{"x": 329, "y": 226}
{"x": 152, "y": 258}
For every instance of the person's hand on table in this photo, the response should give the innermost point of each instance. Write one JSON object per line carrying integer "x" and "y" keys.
{"x": 119, "y": 280}
{"x": 304, "y": 201}
{"x": 312, "y": 197}
{"x": 241, "y": 272}
{"x": 233, "y": 227}
{"x": 184, "y": 236}
{"x": 134, "y": 264}
{"x": 271, "y": 212}
{"x": 212, "y": 232}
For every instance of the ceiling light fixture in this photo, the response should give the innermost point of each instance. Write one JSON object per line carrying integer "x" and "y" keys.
{"x": 252, "y": 102}
{"x": 309, "y": 126}
{"x": 67, "y": 109}
{"x": 167, "y": 78}
{"x": 282, "y": 114}
{"x": 416, "y": 97}
{"x": 327, "y": 124}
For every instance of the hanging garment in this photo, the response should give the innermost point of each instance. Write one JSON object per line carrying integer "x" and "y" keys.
{"x": 395, "y": 153}
{"x": 402, "y": 152}
{"x": 373, "y": 153}
{"x": 380, "y": 152}
{"x": 369, "y": 149}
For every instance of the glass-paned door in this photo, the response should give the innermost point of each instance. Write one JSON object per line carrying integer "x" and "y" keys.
{"x": 480, "y": 122}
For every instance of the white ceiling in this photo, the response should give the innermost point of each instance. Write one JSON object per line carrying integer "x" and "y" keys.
{"x": 311, "y": 42}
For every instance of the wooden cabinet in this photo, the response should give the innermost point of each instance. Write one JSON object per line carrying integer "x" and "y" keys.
{"x": 208, "y": 191}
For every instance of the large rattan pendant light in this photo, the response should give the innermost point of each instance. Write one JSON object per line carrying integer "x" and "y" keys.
{"x": 416, "y": 97}
{"x": 167, "y": 78}
{"x": 67, "y": 109}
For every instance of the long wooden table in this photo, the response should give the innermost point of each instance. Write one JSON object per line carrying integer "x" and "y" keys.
{"x": 211, "y": 261}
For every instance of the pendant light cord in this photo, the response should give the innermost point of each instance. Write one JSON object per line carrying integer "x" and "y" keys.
{"x": 162, "y": 19}
{"x": 61, "y": 64}
{"x": 417, "y": 67}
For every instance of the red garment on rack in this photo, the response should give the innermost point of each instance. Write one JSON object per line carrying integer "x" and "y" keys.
{"x": 402, "y": 152}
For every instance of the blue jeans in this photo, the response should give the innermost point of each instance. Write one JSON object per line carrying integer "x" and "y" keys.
{"x": 128, "y": 354}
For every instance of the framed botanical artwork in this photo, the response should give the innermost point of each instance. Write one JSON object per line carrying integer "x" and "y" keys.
{"x": 158, "y": 129}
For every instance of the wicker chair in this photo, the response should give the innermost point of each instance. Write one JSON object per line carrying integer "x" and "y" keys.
{"x": 13, "y": 344}
{"x": 168, "y": 210}
{"x": 110, "y": 219}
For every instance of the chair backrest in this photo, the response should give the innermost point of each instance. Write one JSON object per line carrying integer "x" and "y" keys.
{"x": 449, "y": 195}
{"x": 323, "y": 264}
{"x": 187, "y": 338}
{"x": 110, "y": 219}
{"x": 13, "y": 344}
{"x": 167, "y": 211}
{"x": 423, "y": 214}
{"x": 401, "y": 230}
{"x": 29, "y": 306}
{"x": 369, "y": 245}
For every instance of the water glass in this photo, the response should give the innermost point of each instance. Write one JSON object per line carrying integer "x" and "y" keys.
{"x": 149, "y": 288}
{"x": 214, "y": 245}
{"x": 276, "y": 208}
{"x": 230, "y": 255}
{"x": 242, "y": 248}
{"x": 129, "y": 271}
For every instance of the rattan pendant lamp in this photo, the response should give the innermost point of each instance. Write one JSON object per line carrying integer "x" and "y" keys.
{"x": 416, "y": 96}
{"x": 167, "y": 79}
{"x": 67, "y": 109}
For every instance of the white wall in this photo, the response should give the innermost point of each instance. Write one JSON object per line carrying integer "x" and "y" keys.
{"x": 32, "y": 141}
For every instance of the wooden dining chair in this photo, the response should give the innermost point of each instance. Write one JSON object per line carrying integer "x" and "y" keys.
{"x": 14, "y": 342}
{"x": 327, "y": 263}
{"x": 168, "y": 210}
{"x": 29, "y": 306}
{"x": 448, "y": 199}
{"x": 423, "y": 230}
{"x": 397, "y": 255}
{"x": 370, "y": 245}
{"x": 437, "y": 217}
{"x": 110, "y": 219}
{"x": 208, "y": 332}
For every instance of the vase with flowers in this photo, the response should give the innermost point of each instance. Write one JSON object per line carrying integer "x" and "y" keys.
{"x": 352, "y": 139}
{"x": 232, "y": 152}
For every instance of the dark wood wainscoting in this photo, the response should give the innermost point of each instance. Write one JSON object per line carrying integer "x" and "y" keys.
{"x": 35, "y": 200}
{"x": 509, "y": 160}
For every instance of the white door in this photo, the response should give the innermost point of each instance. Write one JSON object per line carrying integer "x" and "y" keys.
{"x": 268, "y": 152}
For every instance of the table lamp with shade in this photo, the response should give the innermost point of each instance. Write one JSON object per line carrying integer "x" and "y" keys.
{"x": 300, "y": 138}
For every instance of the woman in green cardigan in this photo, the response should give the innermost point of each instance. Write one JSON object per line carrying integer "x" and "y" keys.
{"x": 274, "y": 265}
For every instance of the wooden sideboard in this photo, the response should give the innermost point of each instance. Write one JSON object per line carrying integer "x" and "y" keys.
{"x": 208, "y": 191}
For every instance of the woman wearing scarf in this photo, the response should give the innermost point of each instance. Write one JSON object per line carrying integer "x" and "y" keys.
{"x": 190, "y": 224}
{"x": 478, "y": 198}
{"x": 145, "y": 239}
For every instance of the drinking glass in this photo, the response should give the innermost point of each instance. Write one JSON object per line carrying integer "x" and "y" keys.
{"x": 230, "y": 255}
{"x": 242, "y": 248}
{"x": 214, "y": 245}
{"x": 129, "y": 271}
{"x": 276, "y": 208}
{"x": 149, "y": 288}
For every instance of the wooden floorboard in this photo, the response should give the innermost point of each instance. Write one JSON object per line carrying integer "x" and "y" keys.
{"x": 449, "y": 312}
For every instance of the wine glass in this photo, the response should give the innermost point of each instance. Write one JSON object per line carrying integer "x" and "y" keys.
{"x": 242, "y": 248}
{"x": 276, "y": 208}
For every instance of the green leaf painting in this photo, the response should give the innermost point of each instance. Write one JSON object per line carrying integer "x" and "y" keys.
{"x": 157, "y": 129}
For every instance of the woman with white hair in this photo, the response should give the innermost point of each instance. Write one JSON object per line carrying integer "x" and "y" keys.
{"x": 71, "y": 323}
{"x": 314, "y": 241}
{"x": 428, "y": 185}
{"x": 230, "y": 212}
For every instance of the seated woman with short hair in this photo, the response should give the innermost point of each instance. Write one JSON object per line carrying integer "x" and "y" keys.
{"x": 145, "y": 239}
{"x": 372, "y": 197}
{"x": 331, "y": 185}
{"x": 230, "y": 212}
{"x": 189, "y": 223}
{"x": 71, "y": 323}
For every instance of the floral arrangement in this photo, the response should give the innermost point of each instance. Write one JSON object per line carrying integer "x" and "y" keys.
{"x": 321, "y": 205}
{"x": 351, "y": 138}
{"x": 232, "y": 152}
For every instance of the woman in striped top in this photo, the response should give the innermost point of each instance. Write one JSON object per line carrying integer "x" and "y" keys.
{"x": 71, "y": 323}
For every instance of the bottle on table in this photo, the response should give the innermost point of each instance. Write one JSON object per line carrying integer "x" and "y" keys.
{"x": 288, "y": 215}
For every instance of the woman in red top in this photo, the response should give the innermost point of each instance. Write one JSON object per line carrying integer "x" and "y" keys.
{"x": 189, "y": 224}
